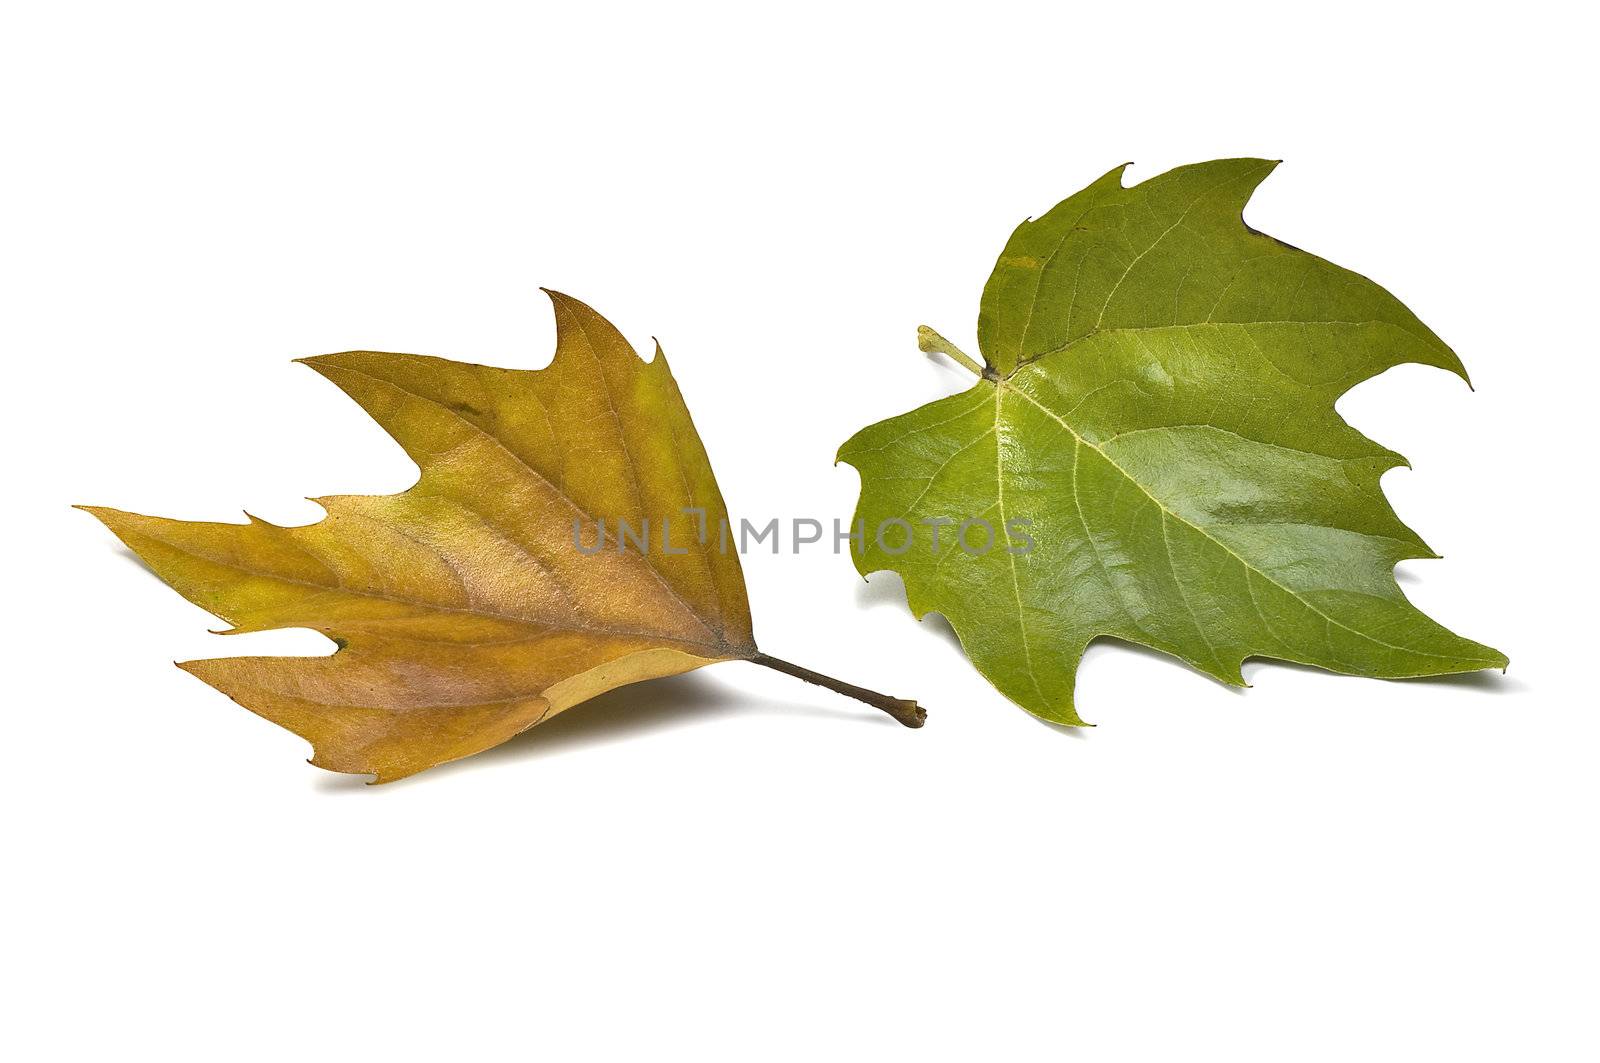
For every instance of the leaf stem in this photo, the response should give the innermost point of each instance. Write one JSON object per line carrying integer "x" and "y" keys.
{"x": 933, "y": 343}
{"x": 907, "y": 712}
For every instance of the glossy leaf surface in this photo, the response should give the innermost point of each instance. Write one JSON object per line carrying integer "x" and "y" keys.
{"x": 1157, "y": 416}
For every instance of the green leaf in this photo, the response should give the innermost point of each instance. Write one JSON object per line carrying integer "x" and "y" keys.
{"x": 1157, "y": 417}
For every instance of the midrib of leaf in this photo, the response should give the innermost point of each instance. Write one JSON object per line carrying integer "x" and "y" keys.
{"x": 1003, "y": 385}
{"x": 1000, "y": 500}
{"x": 1066, "y": 234}
{"x": 357, "y": 592}
{"x": 719, "y": 641}
{"x": 638, "y": 491}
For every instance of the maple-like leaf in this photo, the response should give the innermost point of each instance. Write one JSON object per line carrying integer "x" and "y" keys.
{"x": 464, "y": 609}
{"x": 1156, "y": 426}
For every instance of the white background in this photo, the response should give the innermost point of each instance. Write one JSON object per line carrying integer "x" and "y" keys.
{"x": 732, "y": 865}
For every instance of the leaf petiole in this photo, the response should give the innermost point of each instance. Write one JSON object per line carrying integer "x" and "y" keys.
{"x": 908, "y": 713}
{"x": 931, "y": 342}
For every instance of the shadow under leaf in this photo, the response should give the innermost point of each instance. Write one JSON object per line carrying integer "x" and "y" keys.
{"x": 629, "y": 712}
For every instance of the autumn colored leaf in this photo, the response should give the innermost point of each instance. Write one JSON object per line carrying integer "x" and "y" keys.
{"x": 1154, "y": 443}
{"x": 464, "y": 609}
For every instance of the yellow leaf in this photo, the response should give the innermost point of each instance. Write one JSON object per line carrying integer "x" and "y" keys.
{"x": 464, "y": 609}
